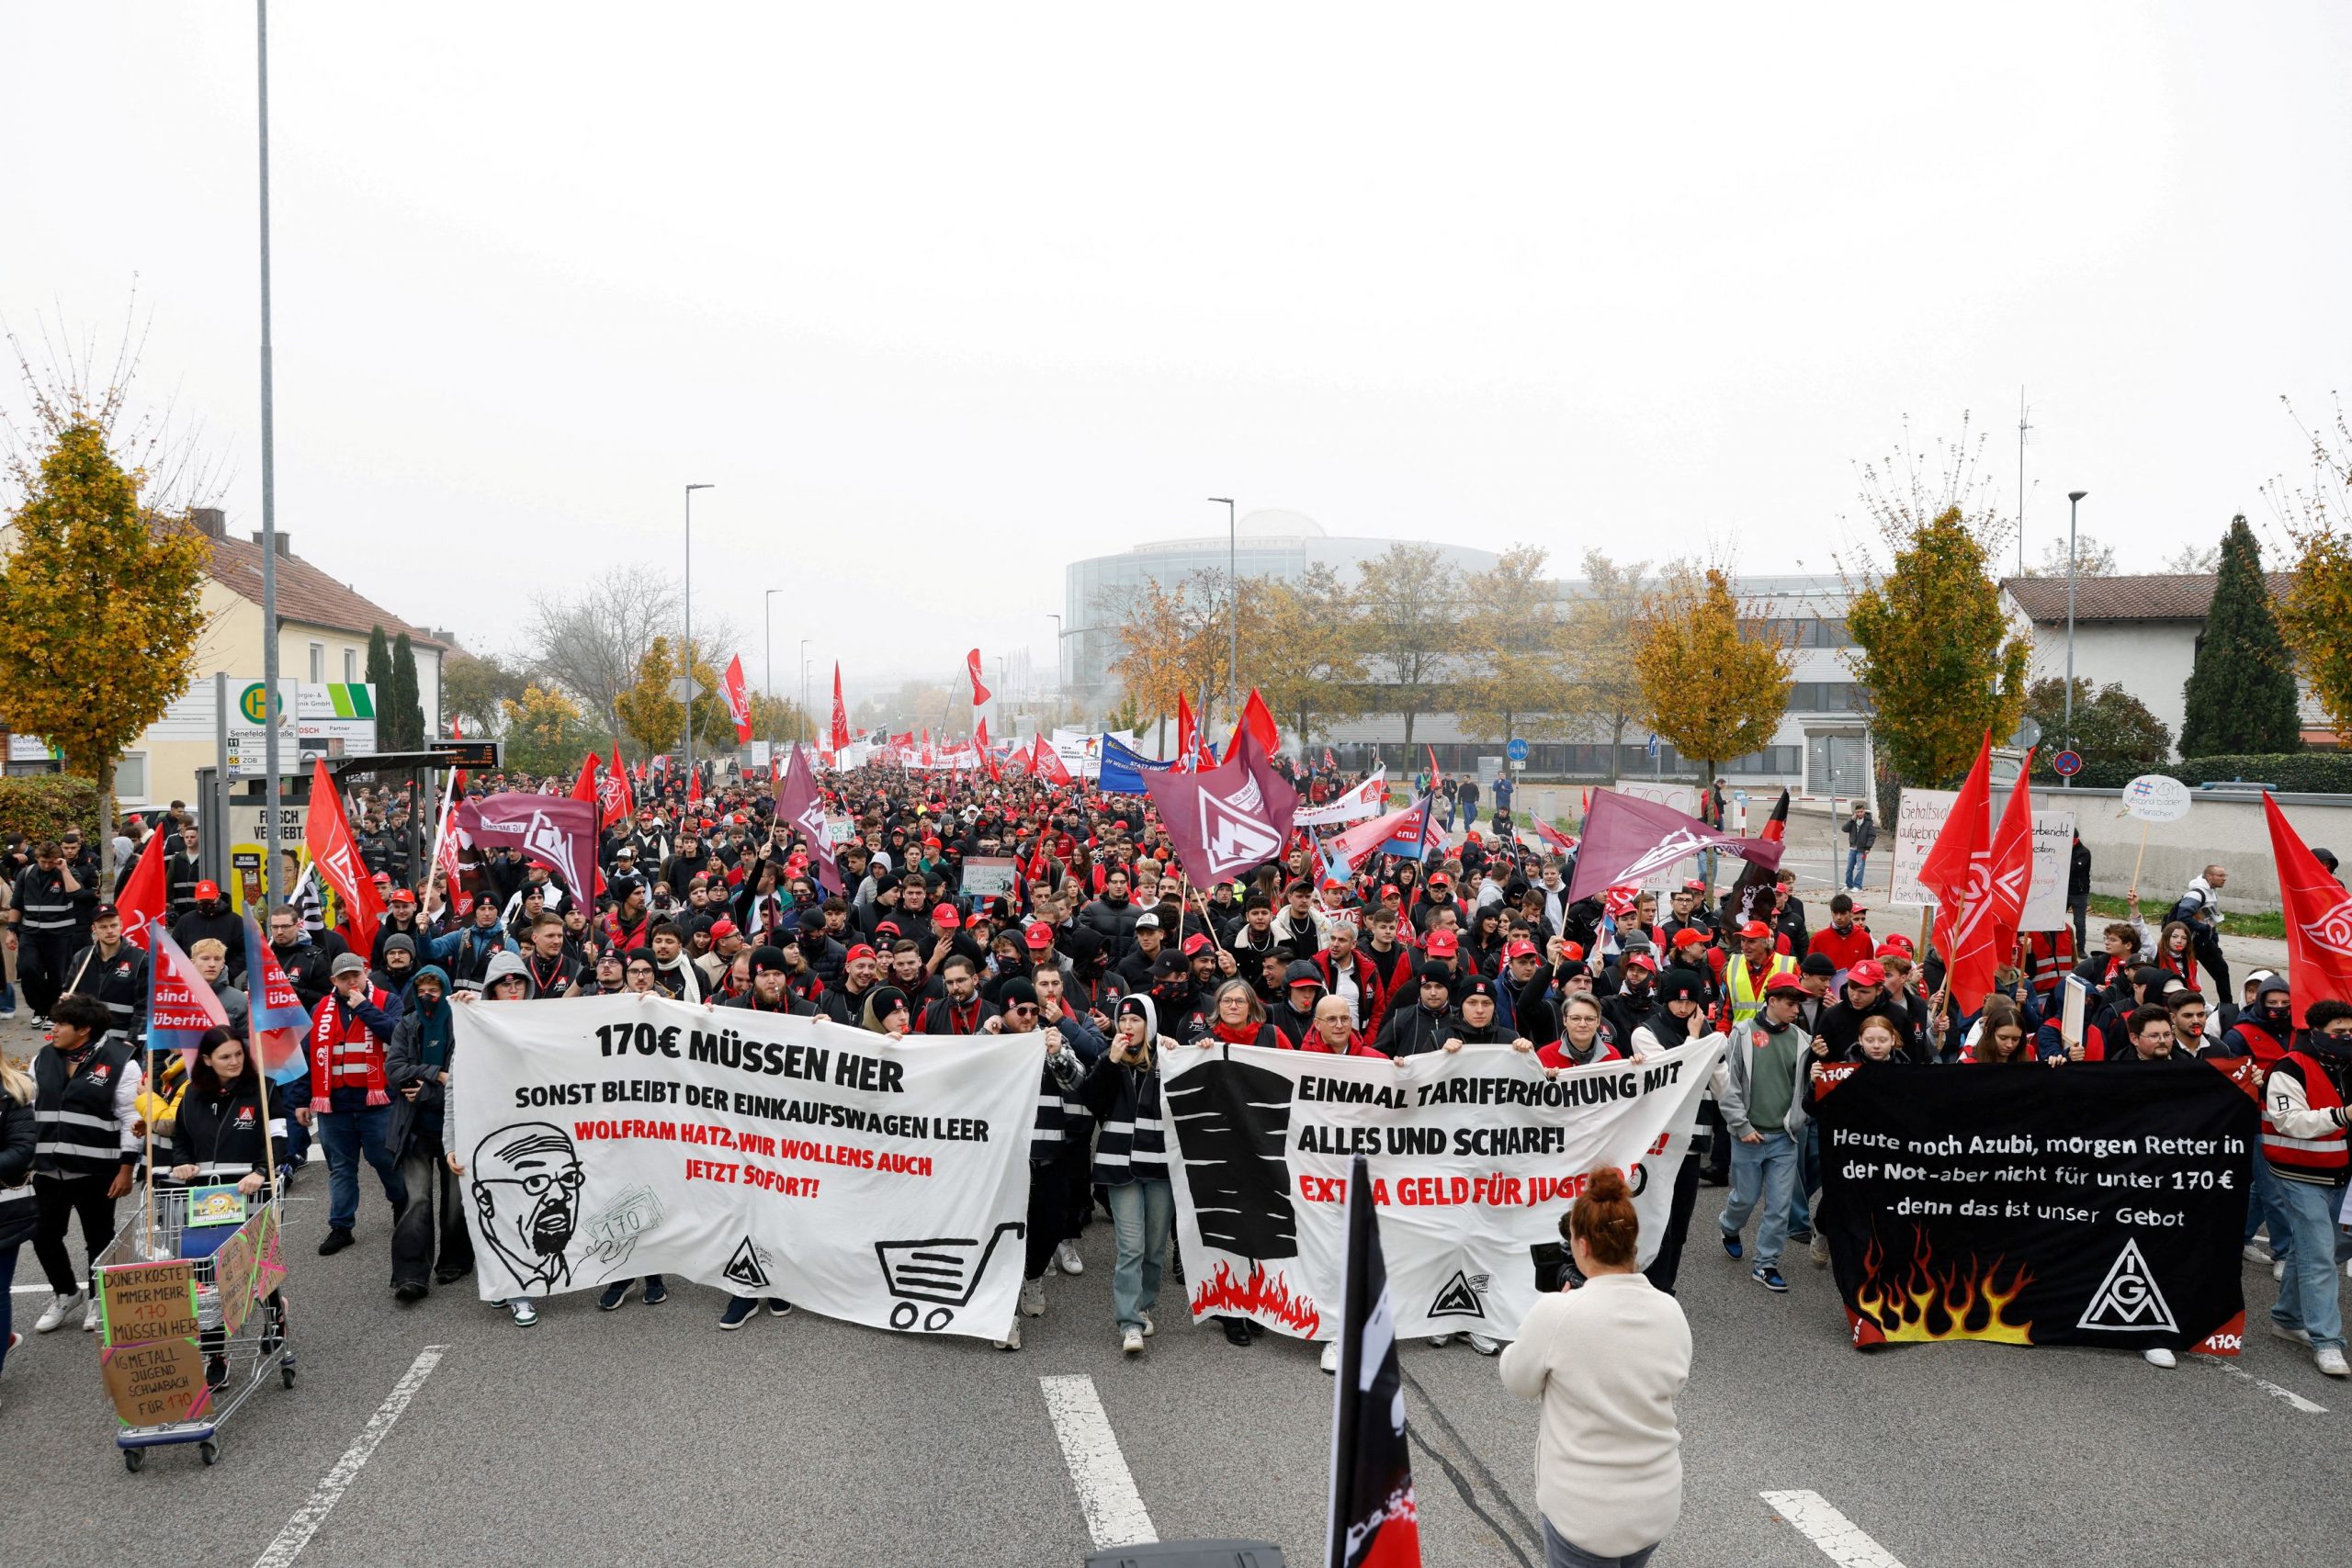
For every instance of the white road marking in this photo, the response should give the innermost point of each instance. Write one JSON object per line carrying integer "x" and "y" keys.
{"x": 312, "y": 1514}
{"x": 1106, "y": 1490}
{"x": 1846, "y": 1542}
{"x": 2272, "y": 1389}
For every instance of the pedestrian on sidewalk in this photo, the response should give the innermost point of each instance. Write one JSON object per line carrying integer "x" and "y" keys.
{"x": 1860, "y": 834}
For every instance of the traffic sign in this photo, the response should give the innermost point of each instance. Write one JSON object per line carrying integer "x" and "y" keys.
{"x": 2067, "y": 764}
{"x": 685, "y": 689}
{"x": 1517, "y": 750}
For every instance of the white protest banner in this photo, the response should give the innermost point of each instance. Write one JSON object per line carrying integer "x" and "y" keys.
{"x": 1474, "y": 1158}
{"x": 884, "y": 1181}
{"x": 1919, "y": 817}
{"x": 1366, "y": 799}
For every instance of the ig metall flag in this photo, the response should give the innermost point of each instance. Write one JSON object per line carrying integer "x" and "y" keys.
{"x": 1373, "y": 1523}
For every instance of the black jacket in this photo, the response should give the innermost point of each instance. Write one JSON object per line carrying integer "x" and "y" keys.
{"x": 306, "y": 969}
{"x": 18, "y": 1133}
{"x": 1411, "y": 1030}
{"x": 224, "y": 928}
{"x": 221, "y": 1135}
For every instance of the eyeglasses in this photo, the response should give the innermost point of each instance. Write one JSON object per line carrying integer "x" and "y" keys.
{"x": 1021, "y": 1008}
{"x": 571, "y": 1179}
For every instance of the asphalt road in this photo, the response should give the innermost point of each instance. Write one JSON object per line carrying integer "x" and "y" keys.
{"x": 648, "y": 1435}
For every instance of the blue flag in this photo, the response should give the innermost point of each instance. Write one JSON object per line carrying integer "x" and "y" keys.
{"x": 1122, "y": 769}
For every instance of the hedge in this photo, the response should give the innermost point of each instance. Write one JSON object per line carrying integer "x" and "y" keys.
{"x": 2290, "y": 772}
{"x": 42, "y": 806}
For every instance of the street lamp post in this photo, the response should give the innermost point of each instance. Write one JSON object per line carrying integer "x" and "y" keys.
{"x": 273, "y": 832}
{"x": 1232, "y": 604}
{"x": 686, "y": 654}
{"x": 2074, "y": 499}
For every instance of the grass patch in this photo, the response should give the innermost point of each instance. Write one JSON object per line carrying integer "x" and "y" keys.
{"x": 2267, "y": 922}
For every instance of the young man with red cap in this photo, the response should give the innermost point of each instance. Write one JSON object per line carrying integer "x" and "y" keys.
{"x": 1763, "y": 1104}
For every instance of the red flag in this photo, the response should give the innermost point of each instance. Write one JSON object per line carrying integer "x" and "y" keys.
{"x": 326, "y": 834}
{"x": 584, "y": 786}
{"x": 2013, "y": 863}
{"x": 739, "y": 701}
{"x": 979, "y": 693}
{"x": 1553, "y": 837}
{"x": 988, "y": 754}
{"x": 2319, "y": 918}
{"x": 841, "y": 714}
{"x": 1188, "y": 735}
{"x": 1259, "y": 722}
{"x": 1436, "y": 775}
{"x": 1048, "y": 764}
{"x": 1959, "y": 870}
{"x": 1329, "y": 759}
{"x": 622, "y": 805}
{"x": 694, "y": 787}
{"x": 143, "y": 896}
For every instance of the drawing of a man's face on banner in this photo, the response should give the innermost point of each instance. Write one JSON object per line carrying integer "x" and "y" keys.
{"x": 527, "y": 1182}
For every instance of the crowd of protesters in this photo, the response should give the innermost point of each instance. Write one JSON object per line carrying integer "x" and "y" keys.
{"x": 1106, "y": 953}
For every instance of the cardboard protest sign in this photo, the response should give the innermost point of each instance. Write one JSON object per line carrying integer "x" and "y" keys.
{"x": 155, "y": 1384}
{"x": 137, "y": 1302}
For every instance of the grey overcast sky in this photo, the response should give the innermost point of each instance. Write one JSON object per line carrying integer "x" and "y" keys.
{"x": 942, "y": 298}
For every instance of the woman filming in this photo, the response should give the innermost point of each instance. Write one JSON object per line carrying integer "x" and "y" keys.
{"x": 1607, "y": 1360}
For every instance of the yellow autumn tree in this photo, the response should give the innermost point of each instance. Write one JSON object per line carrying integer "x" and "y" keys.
{"x": 545, "y": 731}
{"x": 99, "y": 606}
{"x": 1713, "y": 692}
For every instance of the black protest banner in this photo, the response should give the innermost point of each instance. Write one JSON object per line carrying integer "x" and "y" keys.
{"x": 2096, "y": 1203}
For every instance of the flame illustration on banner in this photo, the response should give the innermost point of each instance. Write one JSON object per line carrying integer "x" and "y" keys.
{"x": 1963, "y": 1301}
{"x": 1257, "y": 1293}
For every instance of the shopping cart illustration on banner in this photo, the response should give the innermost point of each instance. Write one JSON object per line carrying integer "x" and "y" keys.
{"x": 941, "y": 1270}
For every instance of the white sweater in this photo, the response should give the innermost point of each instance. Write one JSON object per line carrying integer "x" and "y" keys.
{"x": 1607, "y": 1360}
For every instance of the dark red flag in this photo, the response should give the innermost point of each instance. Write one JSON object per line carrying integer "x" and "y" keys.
{"x": 557, "y": 831}
{"x": 1228, "y": 819}
{"x": 841, "y": 714}
{"x": 798, "y": 803}
{"x": 1627, "y": 839}
{"x": 1258, "y": 721}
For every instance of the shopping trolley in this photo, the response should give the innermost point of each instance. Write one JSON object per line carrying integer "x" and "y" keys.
{"x": 191, "y": 1320}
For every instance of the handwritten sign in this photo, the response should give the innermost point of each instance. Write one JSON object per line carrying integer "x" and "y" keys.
{"x": 155, "y": 1384}
{"x": 988, "y": 876}
{"x": 139, "y": 1302}
{"x": 2155, "y": 797}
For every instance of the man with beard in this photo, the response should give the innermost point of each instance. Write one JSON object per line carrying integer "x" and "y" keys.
{"x": 526, "y": 1181}
{"x": 770, "y": 986}
{"x": 843, "y": 1003}
{"x": 1424, "y": 1025}
{"x": 1057, "y": 1161}
{"x": 962, "y": 1010}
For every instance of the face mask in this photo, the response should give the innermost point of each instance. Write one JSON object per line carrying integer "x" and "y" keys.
{"x": 2275, "y": 1017}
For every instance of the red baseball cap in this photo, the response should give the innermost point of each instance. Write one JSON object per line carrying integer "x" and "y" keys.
{"x": 1898, "y": 943}
{"x": 1441, "y": 943}
{"x": 1756, "y": 931}
{"x": 1690, "y": 936}
{"x": 1039, "y": 936}
{"x": 1572, "y": 951}
{"x": 721, "y": 929}
{"x": 1522, "y": 948}
{"x": 1866, "y": 973}
{"x": 208, "y": 890}
{"x": 399, "y": 894}
{"x": 1783, "y": 983}
{"x": 945, "y": 917}
{"x": 1644, "y": 959}
{"x": 1694, "y": 885}
{"x": 855, "y": 954}
{"x": 1195, "y": 944}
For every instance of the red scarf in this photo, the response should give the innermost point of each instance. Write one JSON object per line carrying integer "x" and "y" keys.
{"x": 328, "y": 1027}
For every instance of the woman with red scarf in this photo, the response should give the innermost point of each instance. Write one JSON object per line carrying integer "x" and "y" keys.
{"x": 1240, "y": 1019}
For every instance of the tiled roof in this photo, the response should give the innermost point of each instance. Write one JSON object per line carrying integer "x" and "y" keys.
{"x": 305, "y": 593}
{"x": 2169, "y": 596}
